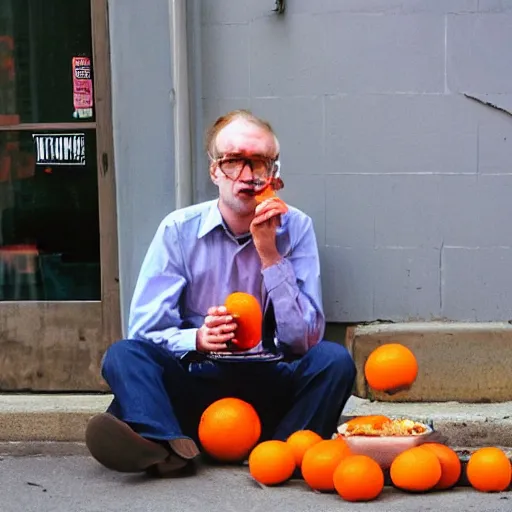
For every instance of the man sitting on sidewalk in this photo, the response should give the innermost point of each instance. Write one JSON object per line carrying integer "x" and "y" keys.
{"x": 199, "y": 255}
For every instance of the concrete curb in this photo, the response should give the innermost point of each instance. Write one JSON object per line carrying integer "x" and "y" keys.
{"x": 42, "y": 418}
{"x": 57, "y": 422}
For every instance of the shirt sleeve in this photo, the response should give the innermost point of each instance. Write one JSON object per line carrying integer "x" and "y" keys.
{"x": 154, "y": 310}
{"x": 294, "y": 286}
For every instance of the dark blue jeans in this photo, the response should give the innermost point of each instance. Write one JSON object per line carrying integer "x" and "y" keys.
{"x": 162, "y": 397}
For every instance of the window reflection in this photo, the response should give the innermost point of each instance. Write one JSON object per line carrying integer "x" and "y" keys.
{"x": 49, "y": 224}
{"x": 38, "y": 41}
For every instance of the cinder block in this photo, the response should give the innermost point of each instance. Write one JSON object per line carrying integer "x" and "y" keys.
{"x": 407, "y": 211}
{"x": 400, "y": 53}
{"x": 347, "y": 278}
{"x": 470, "y": 208}
{"x": 307, "y": 192}
{"x": 225, "y": 61}
{"x": 495, "y": 136}
{"x": 477, "y": 284}
{"x": 384, "y": 134}
{"x": 407, "y": 284}
{"x": 384, "y": 6}
{"x": 285, "y": 58}
{"x": 350, "y": 211}
{"x": 299, "y": 124}
{"x": 494, "y": 5}
{"x": 477, "y": 59}
{"x": 457, "y": 361}
{"x": 227, "y": 11}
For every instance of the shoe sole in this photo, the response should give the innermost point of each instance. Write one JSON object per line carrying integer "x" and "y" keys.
{"x": 116, "y": 446}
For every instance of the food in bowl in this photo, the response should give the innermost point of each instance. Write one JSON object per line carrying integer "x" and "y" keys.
{"x": 397, "y": 427}
{"x": 383, "y": 440}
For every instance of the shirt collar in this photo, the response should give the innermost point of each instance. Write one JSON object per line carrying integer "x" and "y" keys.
{"x": 211, "y": 220}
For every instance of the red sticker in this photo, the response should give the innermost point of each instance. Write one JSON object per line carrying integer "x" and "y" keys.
{"x": 83, "y": 98}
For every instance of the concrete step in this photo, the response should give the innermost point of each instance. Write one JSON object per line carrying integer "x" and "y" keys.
{"x": 41, "y": 420}
{"x": 463, "y": 362}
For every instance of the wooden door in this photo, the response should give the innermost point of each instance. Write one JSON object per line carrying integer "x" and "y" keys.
{"x": 59, "y": 286}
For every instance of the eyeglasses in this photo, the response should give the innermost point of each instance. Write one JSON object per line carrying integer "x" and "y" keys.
{"x": 262, "y": 168}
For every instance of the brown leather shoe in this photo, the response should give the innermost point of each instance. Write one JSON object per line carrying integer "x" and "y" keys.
{"x": 184, "y": 447}
{"x": 116, "y": 446}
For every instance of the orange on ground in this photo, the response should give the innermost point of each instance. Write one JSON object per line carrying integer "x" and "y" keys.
{"x": 229, "y": 429}
{"x": 271, "y": 462}
{"x": 358, "y": 478}
{"x": 320, "y": 462}
{"x": 375, "y": 421}
{"x": 450, "y": 465}
{"x": 300, "y": 442}
{"x": 489, "y": 470}
{"x": 416, "y": 469}
{"x": 246, "y": 311}
{"x": 391, "y": 367}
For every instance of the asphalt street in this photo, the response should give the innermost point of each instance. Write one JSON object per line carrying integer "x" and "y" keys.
{"x": 79, "y": 484}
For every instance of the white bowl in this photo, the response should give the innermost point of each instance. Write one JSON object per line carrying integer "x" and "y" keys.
{"x": 384, "y": 449}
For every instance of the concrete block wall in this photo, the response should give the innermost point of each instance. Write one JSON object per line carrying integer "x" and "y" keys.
{"x": 387, "y": 141}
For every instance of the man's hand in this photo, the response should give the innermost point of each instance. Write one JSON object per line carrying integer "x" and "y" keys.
{"x": 217, "y": 330}
{"x": 263, "y": 229}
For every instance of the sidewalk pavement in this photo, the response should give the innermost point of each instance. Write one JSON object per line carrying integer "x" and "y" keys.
{"x": 35, "y": 421}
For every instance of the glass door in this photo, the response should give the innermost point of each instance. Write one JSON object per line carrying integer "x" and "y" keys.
{"x": 59, "y": 293}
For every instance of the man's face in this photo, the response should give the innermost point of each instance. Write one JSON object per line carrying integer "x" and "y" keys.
{"x": 241, "y": 139}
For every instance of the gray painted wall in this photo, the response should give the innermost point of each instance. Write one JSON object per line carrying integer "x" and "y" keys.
{"x": 143, "y": 131}
{"x": 409, "y": 183}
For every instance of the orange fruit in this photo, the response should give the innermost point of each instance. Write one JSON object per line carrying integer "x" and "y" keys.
{"x": 266, "y": 193}
{"x": 300, "y": 442}
{"x": 450, "y": 465}
{"x": 320, "y": 462}
{"x": 271, "y": 462}
{"x": 416, "y": 469}
{"x": 375, "y": 421}
{"x": 246, "y": 311}
{"x": 489, "y": 470}
{"x": 391, "y": 367}
{"x": 229, "y": 429}
{"x": 358, "y": 478}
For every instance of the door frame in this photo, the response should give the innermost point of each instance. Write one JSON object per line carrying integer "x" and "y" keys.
{"x": 54, "y": 345}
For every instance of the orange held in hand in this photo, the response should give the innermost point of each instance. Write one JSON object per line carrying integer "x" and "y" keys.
{"x": 300, "y": 442}
{"x": 489, "y": 470}
{"x": 450, "y": 465}
{"x": 229, "y": 429}
{"x": 358, "y": 478}
{"x": 417, "y": 469}
{"x": 391, "y": 368}
{"x": 246, "y": 312}
{"x": 320, "y": 462}
{"x": 271, "y": 462}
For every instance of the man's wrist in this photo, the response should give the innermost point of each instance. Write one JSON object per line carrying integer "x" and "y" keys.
{"x": 269, "y": 261}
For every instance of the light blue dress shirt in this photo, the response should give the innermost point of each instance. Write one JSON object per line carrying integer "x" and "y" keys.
{"x": 194, "y": 263}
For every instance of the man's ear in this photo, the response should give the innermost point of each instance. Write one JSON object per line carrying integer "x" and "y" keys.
{"x": 213, "y": 173}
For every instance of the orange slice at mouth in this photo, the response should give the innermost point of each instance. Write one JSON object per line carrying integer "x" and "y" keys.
{"x": 264, "y": 194}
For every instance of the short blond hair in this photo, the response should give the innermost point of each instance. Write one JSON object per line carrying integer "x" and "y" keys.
{"x": 223, "y": 121}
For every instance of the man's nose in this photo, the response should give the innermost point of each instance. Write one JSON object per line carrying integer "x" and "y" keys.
{"x": 246, "y": 174}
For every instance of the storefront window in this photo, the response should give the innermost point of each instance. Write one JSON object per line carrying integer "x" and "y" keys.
{"x": 49, "y": 222}
{"x": 38, "y": 41}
